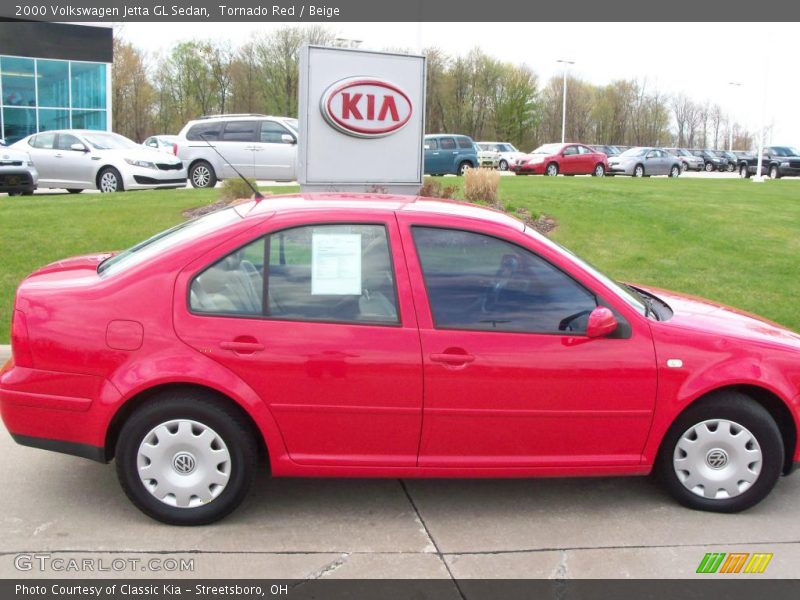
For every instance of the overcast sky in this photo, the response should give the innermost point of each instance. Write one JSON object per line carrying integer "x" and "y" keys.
{"x": 697, "y": 58}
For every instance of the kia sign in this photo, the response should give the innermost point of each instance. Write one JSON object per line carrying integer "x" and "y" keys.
{"x": 366, "y": 107}
{"x": 361, "y": 120}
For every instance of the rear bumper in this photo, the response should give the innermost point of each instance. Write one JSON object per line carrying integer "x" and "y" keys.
{"x": 95, "y": 453}
{"x": 17, "y": 180}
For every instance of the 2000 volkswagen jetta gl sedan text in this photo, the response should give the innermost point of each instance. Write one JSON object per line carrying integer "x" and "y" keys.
{"x": 386, "y": 336}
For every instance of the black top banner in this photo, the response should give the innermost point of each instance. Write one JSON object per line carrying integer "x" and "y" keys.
{"x": 110, "y": 11}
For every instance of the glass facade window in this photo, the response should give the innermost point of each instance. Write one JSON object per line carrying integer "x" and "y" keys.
{"x": 88, "y": 85}
{"x": 53, "y": 80}
{"x": 42, "y": 94}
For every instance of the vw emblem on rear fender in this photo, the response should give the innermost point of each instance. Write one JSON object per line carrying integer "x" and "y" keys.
{"x": 365, "y": 107}
{"x": 183, "y": 462}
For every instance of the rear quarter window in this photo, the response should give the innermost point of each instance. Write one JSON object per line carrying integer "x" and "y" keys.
{"x": 209, "y": 131}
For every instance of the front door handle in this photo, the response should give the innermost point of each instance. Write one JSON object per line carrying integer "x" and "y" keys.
{"x": 242, "y": 346}
{"x": 453, "y": 359}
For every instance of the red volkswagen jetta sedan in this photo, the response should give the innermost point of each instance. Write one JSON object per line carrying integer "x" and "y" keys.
{"x": 564, "y": 159}
{"x": 387, "y": 336}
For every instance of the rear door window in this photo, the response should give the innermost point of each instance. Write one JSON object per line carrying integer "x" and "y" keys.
{"x": 465, "y": 143}
{"x": 447, "y": 143}
{"x": 240, "y": 131}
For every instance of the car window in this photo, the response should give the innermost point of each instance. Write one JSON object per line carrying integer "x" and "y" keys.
{"x": 465, "y": 143}
{"x": 152, "y": 142}
{"x": 479, "y": 282}
{"x": 240, "y": 131}
{"x": 45, "y": 141}
{"x": 65, "y": 141}
{"x": 570, "y": 150}
{"x": 584, "y": 150}
{"x": 271, "y": 132}
{"x": 207, "y": 131}
{"x": 331, "y": 273}
{"x": 432, "y": 144}
{"x": 447, "y": 143}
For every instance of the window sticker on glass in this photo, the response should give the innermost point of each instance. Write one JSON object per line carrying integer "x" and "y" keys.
{"x": 336, "y": 264}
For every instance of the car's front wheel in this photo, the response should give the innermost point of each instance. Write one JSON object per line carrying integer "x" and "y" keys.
{"x": 185, "y": 458}
{"x": 709, "y": 167}
{"x": 724, "y": 454}
{"x": 774, "y": 172}
{"x": 503, "y": 166}
{"x": 744, "y": 172}
{"x": 109, "y": 181}
{"x": 599, "y": 170}
{"x": 675, "y": 171}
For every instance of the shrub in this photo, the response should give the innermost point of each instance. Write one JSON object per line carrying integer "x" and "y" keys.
{"x": 235, "y": 188}
{"x": 480, "y": 185}
{"x": 433, "y": 189}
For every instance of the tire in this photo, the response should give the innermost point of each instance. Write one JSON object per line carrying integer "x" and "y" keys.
{"x": 675, "y": 171}
{"x": 74, "y": 190}
{"x": 774, "y": 172}
{"x": 730, "y": 168}
{"x": 183, "y": 414}
{"x": 744, "y": 172}
{"x": 551, "y": 170}
{"x": 599, "y": 170}
{"x": 723, "y": 457}
{"x": 685, "y": 166}
{"x": 202, "y": 175}
{"x": 638, "y": 171}
{"x": 462, "y": 168}
{"x": 709, "y": 167}
{"x": 503, "y": 166}
{"x": 109, "y": 181}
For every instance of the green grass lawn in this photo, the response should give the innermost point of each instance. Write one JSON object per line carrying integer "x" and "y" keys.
{"x": 729, "y": 240}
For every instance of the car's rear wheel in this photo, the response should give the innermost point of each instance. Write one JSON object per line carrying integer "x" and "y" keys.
{"x": 185, "y": 458}
{"x": 744, "y": 172}
{"x": 503, "y": 166}
{"x": 685, "y": 166}
{"x": 464, "y": 167}
{"x": 774, "y": 172}
{"x": 730, "y": 168}
{"x": 724, "y": 454}
{"x": 551, "y": 170}
{"x": 599, "y": 170}
{"x": 202, "y": 175}
{"x": 638, "y": 171}
{"x": 109, "y": 181}
{"x": 675, "y": 171}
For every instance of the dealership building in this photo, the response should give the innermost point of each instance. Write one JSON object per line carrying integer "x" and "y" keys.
{"x": 54, "y": 76}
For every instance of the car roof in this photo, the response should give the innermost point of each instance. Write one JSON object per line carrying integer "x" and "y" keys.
{"x": 329, "y": 202}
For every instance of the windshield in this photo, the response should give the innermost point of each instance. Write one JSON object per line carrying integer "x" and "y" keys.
{"x": 784, "y": 151}
{"x": 631, "y": 297}
{"x": 547, "y": 149}
{"x": 635, "y": 152}
{"x": 508, "y": 148}
{"x": 160, "y": 242}
{"x": 109, "y": 141}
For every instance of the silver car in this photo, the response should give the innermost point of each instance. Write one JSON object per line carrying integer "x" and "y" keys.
{"x": 85, "y": 159}
{"x": 164, "y": 143}
{"x": 688, "y": 160}
{"x": 508, "y": 154}
{"x": 644, "y": 162}
{"x": 18, "y": 175}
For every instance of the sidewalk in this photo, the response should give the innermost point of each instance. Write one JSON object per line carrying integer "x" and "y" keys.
{"x": 5, "y": 353}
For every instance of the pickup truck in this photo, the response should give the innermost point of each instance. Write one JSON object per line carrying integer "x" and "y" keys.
{"x": 777, "y": 162}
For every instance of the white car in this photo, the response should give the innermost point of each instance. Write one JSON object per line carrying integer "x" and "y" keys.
{"x": 508, "y": 154}
{"x": 18, "y": 175}
{"x": 258, "y": 146}
{"x": 83, "y": 159}
{"x": 164, "y": 143}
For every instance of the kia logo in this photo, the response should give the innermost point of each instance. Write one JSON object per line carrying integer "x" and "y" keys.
{"x": 365, "y": 107}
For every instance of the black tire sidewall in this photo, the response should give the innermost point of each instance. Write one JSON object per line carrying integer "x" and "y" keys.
{"x": 240, "y": 445}
{"x": 112, "y": 170}
{"x": 212, "y": 176}
{"x": 744, "y": 411}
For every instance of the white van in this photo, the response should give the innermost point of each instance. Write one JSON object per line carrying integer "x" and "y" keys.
{"x": 258, "y": 146}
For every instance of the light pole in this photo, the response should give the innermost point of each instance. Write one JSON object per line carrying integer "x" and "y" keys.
{"x": 567, "y": 63}
{"x": 759, "y": 178}
{"x": 730, "y": 121}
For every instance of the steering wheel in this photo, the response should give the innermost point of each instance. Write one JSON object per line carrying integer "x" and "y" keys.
{"x": 567, "y": 323}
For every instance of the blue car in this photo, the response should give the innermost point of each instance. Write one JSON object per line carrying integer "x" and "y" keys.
{"x": 449, "y": 154}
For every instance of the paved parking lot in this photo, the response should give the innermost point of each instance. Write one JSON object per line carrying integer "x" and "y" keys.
{"x": 302, "y": 528}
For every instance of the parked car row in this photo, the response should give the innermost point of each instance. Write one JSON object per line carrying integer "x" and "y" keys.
{"x": 776, "y": 161}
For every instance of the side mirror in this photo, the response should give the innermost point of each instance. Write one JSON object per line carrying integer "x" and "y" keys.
{"x": 602, "y": 323}
{"x": 78, "y": 147}
{"x": 288, "y": 139}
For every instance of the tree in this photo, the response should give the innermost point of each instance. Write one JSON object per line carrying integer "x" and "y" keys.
{"x": 132, "y": 93}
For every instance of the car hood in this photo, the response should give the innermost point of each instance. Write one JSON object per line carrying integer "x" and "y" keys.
{"x": 147, "y": 154}
{"x": 707, "y": 316}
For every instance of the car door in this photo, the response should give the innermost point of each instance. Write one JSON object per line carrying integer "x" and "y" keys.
{"x": 587, "y": 159}
{"x": 511, "y": 380}
{"x": 275, "y": 153}
{"x": 433, "y": 157}
{"x": 42, "y": 150}
{"x": 448, "y": 155}
{"x": 74, "y": 168}
{"x": 237, "y": 146}
{"x": 334, "y": 352}
{"x": 570, "y": 161}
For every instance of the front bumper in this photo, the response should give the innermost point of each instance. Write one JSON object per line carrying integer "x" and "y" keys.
{"x": 528, "y": 168}
{"x": 138, "y": 178}
{"x": 620, "y": 169}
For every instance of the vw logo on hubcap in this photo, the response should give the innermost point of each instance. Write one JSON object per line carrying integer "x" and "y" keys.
{"x": 717, "y": 458}
{"x": 183, "y": 463}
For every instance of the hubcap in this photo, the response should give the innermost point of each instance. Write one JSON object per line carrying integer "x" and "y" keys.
{"x": 551, "y": 170}
{"x": 184, "y": 463}
{"x": 108, "y": 182}
{"x": 201, "y": 176}
{"x": 598, "y": 171}
{"x": 639, "y": 172}
{"x": 717, "y": 459}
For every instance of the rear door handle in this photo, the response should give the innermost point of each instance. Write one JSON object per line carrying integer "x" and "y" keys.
{"x": 242, "y": 347}
{"x": 449, "y": 358}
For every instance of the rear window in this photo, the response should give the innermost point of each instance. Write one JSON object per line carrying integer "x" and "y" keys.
{"x": 152, "y": 247}
{"x": 465, "y": 143}
{"x": 209, "y": 131}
